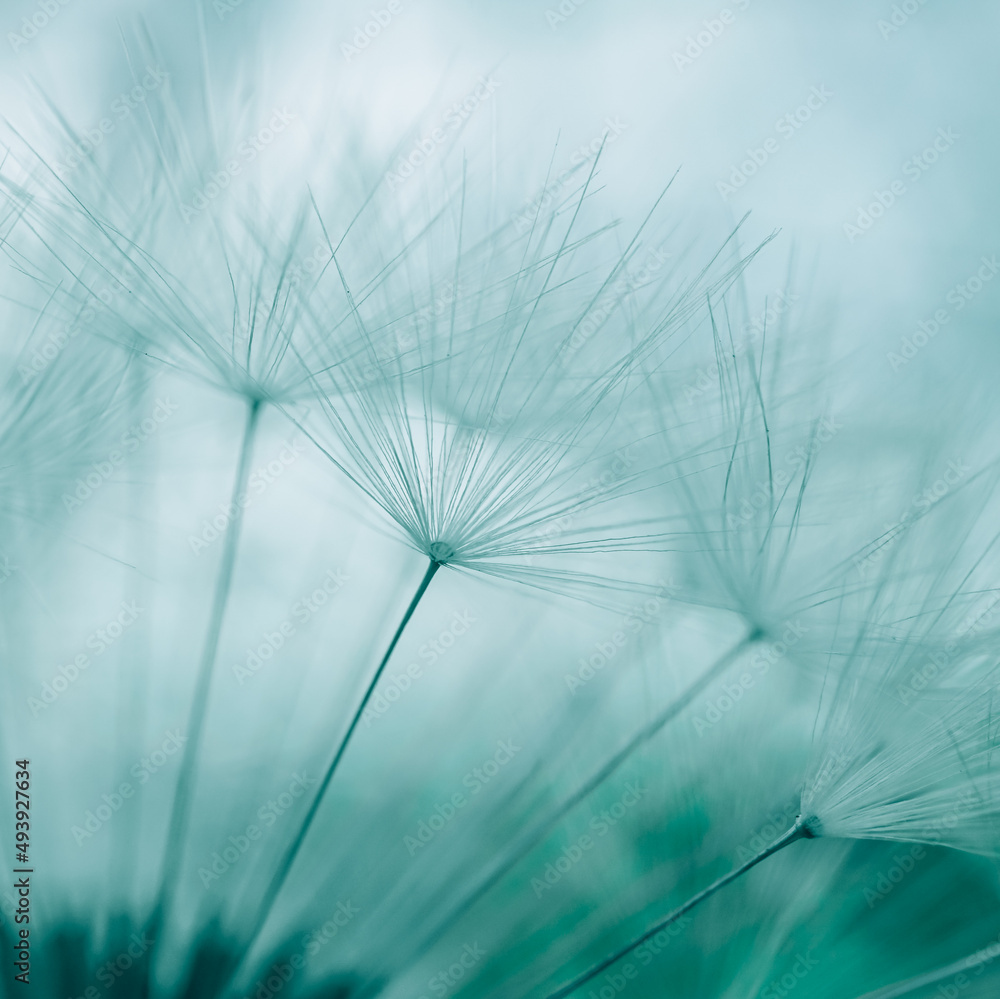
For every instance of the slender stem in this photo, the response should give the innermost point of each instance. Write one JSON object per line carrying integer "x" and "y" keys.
{"x": 973, "y": 962}
{"x": 522, "y": 847}
{"x": 798, "y": 831}
{"x": 125, "y": 853}
{"x": 184, "y": 792}
{"x": 288, "y": 859}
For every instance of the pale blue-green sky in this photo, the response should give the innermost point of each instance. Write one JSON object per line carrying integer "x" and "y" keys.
{"x": 891, "y": 82}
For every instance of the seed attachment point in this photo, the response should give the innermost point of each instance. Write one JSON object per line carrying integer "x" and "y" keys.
{"x": 441, "y": 552}
{"x": 811, "y": 827}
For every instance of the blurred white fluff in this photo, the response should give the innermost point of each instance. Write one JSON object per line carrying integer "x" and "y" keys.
{"x": 906, "y": 744}
{"x": 517, "y": 406}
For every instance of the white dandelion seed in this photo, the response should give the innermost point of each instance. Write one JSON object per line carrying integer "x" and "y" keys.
{"x": 470, "y": 444}
{"x": 895, "y": 770}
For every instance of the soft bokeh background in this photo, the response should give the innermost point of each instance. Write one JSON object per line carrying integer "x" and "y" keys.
{"x": 895, "y": 80}
{"x": 558, "y": 78}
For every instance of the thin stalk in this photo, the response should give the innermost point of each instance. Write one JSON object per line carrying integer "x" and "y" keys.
{"x": 292, "y": 852}
{"x": 521, "y": 848}
{"x": 184, "y": 792}
{"x": 975, "y": 962}
{"x": 124, "y": 860}
{"x": 800, "y": 830}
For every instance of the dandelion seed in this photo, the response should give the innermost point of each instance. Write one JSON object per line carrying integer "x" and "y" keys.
{"x": 886, "y": 778}
{"x": 424, "y": 443}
